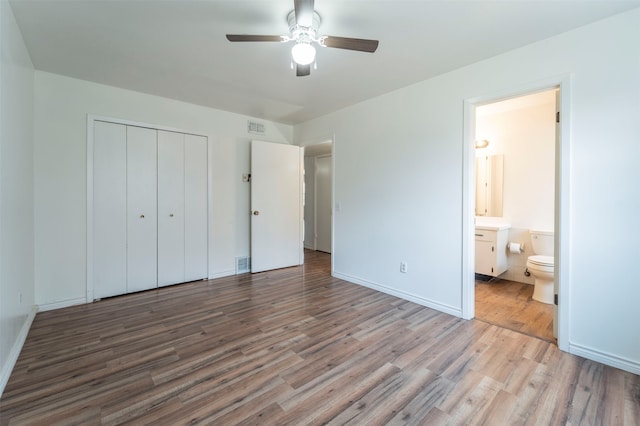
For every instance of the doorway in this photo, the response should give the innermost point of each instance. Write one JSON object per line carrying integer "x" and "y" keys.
{"x": 318, "y": 178}
{"x": 515, "y": 175}
{"x": 560, "y": 195}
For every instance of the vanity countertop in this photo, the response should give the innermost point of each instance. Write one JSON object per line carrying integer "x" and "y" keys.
{"x": 492, "y": 223}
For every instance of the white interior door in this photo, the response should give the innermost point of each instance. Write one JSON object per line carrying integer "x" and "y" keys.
{"x": 109, "y": 209}
{"x": 195, "y": 208}
{"x": 323, "y": 203}
{"x": 276, "y": 206}
{"x": 170, "y": 208}
{"x": 142, "y": 220}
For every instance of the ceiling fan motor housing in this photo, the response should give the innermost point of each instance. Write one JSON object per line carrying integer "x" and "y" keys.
{"x": 300, "y": 33}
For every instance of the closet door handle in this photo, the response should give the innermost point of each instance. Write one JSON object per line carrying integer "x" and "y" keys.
{"x": 141, "y": 216}
{"x": 171, "y": 215}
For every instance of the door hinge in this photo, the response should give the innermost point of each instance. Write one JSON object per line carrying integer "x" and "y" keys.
{"x": 492, "y": 249}
{"x": 555, "y": 299}
{"x": 557, "y": 116}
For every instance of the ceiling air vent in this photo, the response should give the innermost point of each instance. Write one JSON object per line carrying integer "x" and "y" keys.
{"x": 255, "y": 127}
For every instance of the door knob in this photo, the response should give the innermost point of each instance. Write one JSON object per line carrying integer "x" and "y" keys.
{"x": 171, "y": 215}
{"x": 256, "y": 212}
{"x": 141, "y": 216}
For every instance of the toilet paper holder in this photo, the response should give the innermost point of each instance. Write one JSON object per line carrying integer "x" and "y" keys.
{"x": 516, "y": 248}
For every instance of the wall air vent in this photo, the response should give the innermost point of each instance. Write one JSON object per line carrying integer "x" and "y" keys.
{"x": 255, "y": 127}
{"x": 243, "y": 264}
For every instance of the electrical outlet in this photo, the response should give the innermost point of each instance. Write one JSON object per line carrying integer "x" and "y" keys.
{"x": 403, "y": 267}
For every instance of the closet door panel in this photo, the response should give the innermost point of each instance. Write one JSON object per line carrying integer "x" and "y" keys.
{"x": 196, "y": 240}
{"x": 170, "y": 208}
{"x": 142, "y": 222}
{"x": 109, "y": 209}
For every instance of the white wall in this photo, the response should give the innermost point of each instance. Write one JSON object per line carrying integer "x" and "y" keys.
{"x": 61, "y": 108}
{"x": 398, "y": 177}
{"x": 526, "y": 138}
{"x": 309, "y": 202}
{"x": 16, "y": 193}
{"x": 523, "y": 131}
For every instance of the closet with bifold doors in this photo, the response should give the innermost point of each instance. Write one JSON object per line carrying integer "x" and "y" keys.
{"x": 150, "y": 208}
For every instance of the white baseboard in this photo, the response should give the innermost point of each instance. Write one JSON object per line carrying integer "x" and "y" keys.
{"x": 61, "y": 304}
{"x": 15, "y": 350}
{"x": 401, "y": 294}
{"x": 605, "y": 358}
{"x": 222, "y": 274}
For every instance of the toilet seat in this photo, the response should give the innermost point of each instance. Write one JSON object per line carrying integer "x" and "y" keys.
{"x": 541, "y": 260}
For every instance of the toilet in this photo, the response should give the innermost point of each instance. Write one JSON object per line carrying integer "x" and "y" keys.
{"x": 540, "y": 266}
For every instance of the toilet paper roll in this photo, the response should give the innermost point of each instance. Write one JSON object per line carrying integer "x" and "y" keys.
{"x": 516, "y": 248}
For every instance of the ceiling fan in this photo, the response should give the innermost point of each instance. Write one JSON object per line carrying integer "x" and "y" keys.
{"x": 304, "y": 22}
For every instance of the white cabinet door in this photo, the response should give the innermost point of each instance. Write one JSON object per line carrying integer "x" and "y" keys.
{"x": 142, "y": 222}
{"x": 195, "y": 208}
{"x": 485, "y": 257}
{"x": 170, "y": 208}
{"x": 491, "y": 251}
{"x": 109, "y": 209}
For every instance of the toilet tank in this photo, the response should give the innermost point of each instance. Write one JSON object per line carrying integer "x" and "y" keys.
{"x": 542, "y": 242}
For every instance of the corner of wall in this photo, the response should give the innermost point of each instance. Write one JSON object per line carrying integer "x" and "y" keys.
{"x": 7, "y": 368}
{"x": 17, "y": 290}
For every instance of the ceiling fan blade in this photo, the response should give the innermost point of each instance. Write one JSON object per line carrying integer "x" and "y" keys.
{"x": 359, "y": 44}
{"x": 304, "y": 12}
{"x": 245, "y": 37}
{"x": 303, "y": 70}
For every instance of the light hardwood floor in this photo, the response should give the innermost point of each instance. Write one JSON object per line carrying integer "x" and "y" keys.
{"x": 509, "y": 304}
{"x": 296, "y": 346}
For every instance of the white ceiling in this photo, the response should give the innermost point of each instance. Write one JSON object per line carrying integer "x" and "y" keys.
{"x": 177, "y": 49}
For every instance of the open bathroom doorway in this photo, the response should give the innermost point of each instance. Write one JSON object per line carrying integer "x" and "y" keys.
{"x": 514, "y": 185}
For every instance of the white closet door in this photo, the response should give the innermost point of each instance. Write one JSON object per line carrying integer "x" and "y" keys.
{"x": 142, "y": 222}
{"x": 195, "y": 208}
{"x": 109, "y": 209}
{"x": 170, "y": 208}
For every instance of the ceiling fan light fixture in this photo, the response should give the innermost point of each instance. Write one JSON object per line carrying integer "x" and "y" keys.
{"x": 303, "y": 53}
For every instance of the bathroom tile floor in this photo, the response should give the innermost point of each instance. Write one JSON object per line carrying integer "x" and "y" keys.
{"x": 509, "y": 304}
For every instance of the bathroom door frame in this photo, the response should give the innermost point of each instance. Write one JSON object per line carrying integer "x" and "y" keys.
{"x": 562, "y": 197}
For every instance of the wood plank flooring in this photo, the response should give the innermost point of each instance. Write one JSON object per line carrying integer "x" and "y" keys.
{"x": 509, "y": 304}
{"x": 296, "y": 346}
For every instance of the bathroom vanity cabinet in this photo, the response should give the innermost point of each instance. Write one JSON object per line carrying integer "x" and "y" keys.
{"x": 491, "y": 250}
